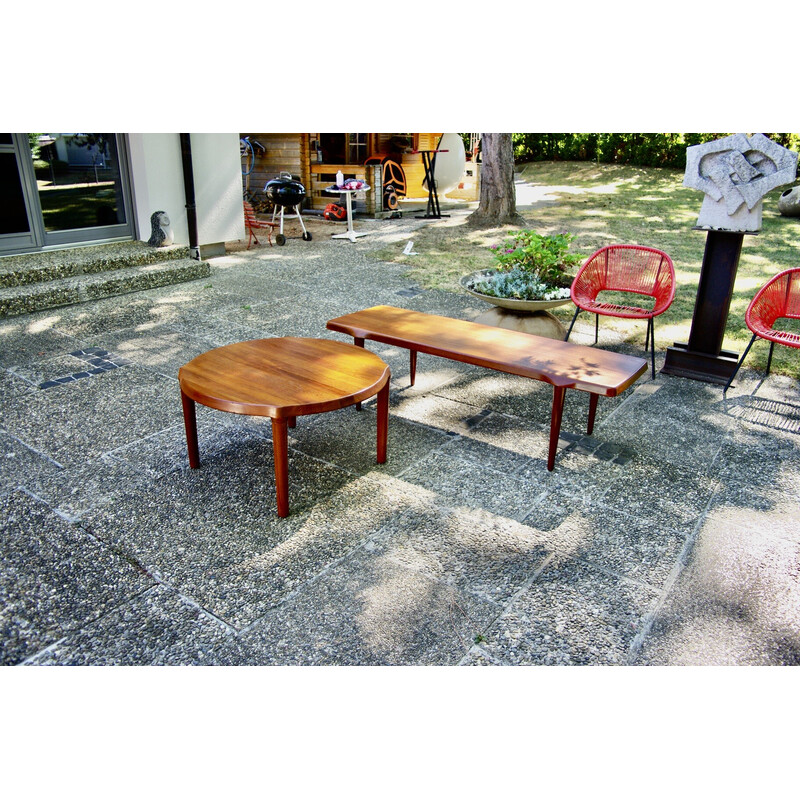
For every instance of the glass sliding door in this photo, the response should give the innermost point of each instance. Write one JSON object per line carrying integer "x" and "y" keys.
{"x": 72, "y": 187}
{"x": 16, "y": 228}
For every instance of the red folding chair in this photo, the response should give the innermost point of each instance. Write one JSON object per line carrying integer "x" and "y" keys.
{"x": 643, "y": 271}
{"x": 252, "y": 224}
{"x": 778, "y": 298}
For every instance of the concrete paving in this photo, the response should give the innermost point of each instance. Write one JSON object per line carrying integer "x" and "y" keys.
{"x": 670, "y": 536}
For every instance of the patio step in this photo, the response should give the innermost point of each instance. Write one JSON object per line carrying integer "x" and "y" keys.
{"x": 83, "y": 288}
{"x": 38, "y": 281}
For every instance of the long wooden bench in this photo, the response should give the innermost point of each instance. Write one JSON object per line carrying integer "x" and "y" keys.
{"x": 562, "y": 364}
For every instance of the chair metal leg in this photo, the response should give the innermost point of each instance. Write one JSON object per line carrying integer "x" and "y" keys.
{"x": 651, "y": 338}
{"x": 575, "y": 316}
{"x": 769, "y": 359}
{"x": 741, "y": 361}
{"x": 596, "y": 327}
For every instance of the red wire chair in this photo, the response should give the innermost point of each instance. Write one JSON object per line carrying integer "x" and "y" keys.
{"x": 778, "y": 298}
{"x": 252, "y": 223}
{"x": 631, "y": 268}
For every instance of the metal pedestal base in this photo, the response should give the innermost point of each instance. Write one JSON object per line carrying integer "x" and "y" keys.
{"x": 700, "y": 366}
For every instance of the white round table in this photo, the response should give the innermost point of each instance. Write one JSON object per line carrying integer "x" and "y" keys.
{"x": 348, "y": 193}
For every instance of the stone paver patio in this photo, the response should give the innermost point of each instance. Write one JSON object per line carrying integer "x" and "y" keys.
{"x": 671, "y": 536}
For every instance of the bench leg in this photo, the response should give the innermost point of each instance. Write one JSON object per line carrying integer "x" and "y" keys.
{"x": 593, "y": 398}
{"x": 555, "y": 424}
{"x": 413, "y": 367}
{"x": 190, "y": 423}
{"x": 280, "y": 449}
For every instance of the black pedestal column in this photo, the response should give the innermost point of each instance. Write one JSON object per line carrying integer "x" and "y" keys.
{"x": 703, "y": 358}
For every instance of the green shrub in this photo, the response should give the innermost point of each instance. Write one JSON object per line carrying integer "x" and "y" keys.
{"x": 530, "y": 266}
{"x": 544, "y": 258}
{"x": 635, "y": 149}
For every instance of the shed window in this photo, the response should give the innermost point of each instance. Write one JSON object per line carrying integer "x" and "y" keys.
{"x": 344, "y": 148}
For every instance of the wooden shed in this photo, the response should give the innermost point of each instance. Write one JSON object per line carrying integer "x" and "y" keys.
{"x": 315, "y": 158}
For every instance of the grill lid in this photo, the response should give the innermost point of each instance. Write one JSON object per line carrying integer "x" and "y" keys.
{"x": 285, "y": 192}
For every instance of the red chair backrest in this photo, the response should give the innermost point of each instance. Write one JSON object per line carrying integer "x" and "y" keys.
{"x": 627, "y": 268}
{"x": 778, "y": 297}
{"x": 249, "y": 214}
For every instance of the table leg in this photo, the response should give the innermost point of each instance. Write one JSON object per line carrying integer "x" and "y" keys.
{"x": 349, "y": 201}
{"x": 358, "y": 342}
{"x": 190, "y": 423}
{"x": 383, "y": 422}
{"x": 280, "y": 448}
{"x": 350, "y": 234}
{"x": 593, "y": 398}
{"x": 555, "y": 424}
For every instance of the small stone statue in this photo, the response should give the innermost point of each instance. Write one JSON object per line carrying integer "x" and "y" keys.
{"x": 735, "y": 173}
{"x": 162, "y": 235}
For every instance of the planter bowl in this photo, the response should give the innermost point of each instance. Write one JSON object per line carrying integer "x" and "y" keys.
{"x": 509, "y": 302}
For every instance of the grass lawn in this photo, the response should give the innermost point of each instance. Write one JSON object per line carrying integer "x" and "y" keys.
{"x": 78, "y": 206}
{"x": 608, "y": 204}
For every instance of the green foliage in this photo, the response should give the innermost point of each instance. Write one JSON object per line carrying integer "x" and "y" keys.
{"x": 516, "y": 284}
{"x": 530, "y": 266}
{"x": 541, "y": 257}
{"x": 33, "y": 141}
{"x": 636, "y": 149}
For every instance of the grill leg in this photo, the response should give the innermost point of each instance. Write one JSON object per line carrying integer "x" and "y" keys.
{"x": 741, "y": 361}
{"x": 300, "y": 218}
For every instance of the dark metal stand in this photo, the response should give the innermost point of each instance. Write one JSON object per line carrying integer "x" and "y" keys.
{"x": 433, "y": 211}
{"x": 703, "y": 358}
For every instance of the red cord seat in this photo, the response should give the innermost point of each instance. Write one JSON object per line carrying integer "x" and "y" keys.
{"x": 778, "y": 298}
{"x": 639, "y": 270}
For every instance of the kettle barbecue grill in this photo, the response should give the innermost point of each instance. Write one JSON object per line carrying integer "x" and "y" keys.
{"x": 285, "y": 192}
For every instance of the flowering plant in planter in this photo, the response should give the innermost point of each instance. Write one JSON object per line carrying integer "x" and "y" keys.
{"x": 530, "y": 266}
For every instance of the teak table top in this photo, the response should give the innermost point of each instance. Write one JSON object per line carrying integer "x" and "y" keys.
{"x": 283, "y": 377}
{"x": 563, "y": 364}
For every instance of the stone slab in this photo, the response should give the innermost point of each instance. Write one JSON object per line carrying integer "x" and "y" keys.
{"x": 55, "y": 577}
{"x": 370, "y": 610}
{"x": 572, "y": 614}
{"x": 156, "y": 628}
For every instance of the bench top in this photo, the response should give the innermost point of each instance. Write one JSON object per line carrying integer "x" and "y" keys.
{"x": 572, "y": 366}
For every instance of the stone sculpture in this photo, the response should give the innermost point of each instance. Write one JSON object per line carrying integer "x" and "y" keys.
{"x": 735, "y": 173}
{"x": 162, "y": 235}
{"x": 789, "y": 202}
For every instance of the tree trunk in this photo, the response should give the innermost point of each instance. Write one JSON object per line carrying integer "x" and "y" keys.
{"x": 498, "y": 198}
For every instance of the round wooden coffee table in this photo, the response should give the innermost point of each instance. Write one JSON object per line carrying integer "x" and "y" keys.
{"x": 283, "y": 378}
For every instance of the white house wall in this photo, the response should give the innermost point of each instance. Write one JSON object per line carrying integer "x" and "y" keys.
{"x": 218, "y": 187}
{"x": 157, "y": 176}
